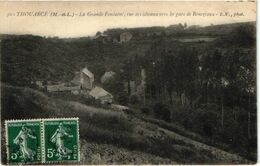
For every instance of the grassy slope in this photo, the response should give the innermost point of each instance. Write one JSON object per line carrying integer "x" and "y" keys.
{"x": 112, "y": 137}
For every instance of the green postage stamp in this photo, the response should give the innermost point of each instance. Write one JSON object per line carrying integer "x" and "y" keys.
{"x": 42, "y": 141}
{"x": 24, "y": 141}
{"x": 61, "y": 140}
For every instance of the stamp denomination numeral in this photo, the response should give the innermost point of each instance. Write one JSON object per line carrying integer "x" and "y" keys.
{"x": 50, "y": 153}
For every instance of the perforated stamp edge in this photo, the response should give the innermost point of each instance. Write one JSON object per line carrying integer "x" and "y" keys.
{"x": 58, "y": 119}
{"x": 6, "y": 139}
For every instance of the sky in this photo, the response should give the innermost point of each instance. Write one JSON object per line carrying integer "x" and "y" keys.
{"x": 65, "y": 27}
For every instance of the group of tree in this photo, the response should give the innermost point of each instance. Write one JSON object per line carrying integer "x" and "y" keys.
{"x": 221, "y": 73}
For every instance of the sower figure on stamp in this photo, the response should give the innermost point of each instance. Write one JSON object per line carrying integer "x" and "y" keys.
{"x": 58, "y": 138}
{"x": 22, "y": 140}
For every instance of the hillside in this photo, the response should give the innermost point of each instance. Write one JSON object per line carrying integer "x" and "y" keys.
{"x": 27, "y": 58}
{"x": 109, "y": 137}
{"x": 185, "y": 86}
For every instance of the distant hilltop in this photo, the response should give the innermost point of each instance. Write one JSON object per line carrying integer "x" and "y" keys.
{"x": 180, "y": 29}
{"x": 183, "y": 28}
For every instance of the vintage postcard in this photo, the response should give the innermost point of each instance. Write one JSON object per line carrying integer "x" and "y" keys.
{"x": 102, "y": 82}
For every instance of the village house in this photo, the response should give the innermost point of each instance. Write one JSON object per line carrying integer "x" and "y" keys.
{"x": 76, "y": 79}
{"x": 100, "y": 94}
{"x": 107, "y": 76}
{"x": 83, "y": 84}
{"x": 87, "y": 79}
{"x": 62, "y": 87}
{"x": 84, "y": 78}
{"x": 117, "y": 107}
{"x": 54, "y": 87}
{"x": 103, "y": 38}
{"x": 125, "y": 37}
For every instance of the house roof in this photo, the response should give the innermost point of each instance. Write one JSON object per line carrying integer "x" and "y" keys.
{"x": 62, "y": 87}
{"x": 100, "y": 35}
{"x": 76, "y": 79}
{"x": 107, "y": 75}
{"x": 99, "y": 92}
{"x": 87, "y": 72}
{"x": 126, "y": 33}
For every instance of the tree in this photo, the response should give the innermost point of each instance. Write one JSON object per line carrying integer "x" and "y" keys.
{"x": 98, "y": 33}
{"x": 162, "y": 111}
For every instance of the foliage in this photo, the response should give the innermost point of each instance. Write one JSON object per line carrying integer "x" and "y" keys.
{"x": 146, "y": 110}
{"x": 134, "y": 99}
{"x": 162, "y": 111}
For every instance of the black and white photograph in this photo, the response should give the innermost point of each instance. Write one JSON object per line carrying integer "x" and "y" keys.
{"x": 166, "y": 83}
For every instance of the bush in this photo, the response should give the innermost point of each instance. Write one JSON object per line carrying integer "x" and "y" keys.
{"x": 206, "y": 122}
{"x": 123, "y": 99}
{"x": 145, "y": 110}
{"x": 134, "y": 99}
{"x": 162, "y": 111}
